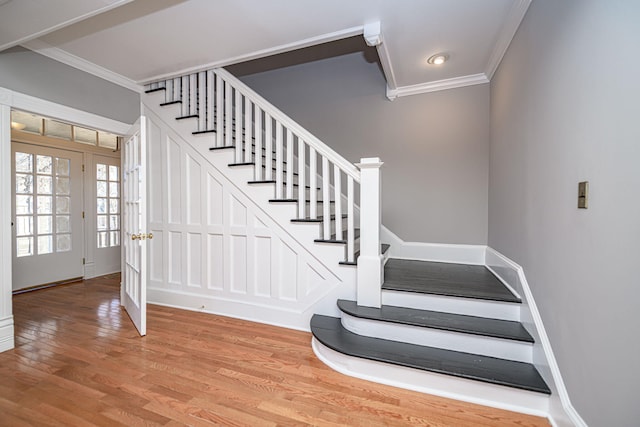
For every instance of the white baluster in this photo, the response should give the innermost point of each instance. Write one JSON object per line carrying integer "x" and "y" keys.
{"x": 248, "y": 130}
{"x": 268, "y": 147}
{"x": 313, "y": 183}
{"x": 302, "y": 197}
{"x": 279, "y": 155}
{"x": 370, "y": 272}
{"x": 350, "y": 221}
{"x": 289, "y": 178}
{"x": 228, "y": 114}
{"x": 219, "y": 111}
{"x": 238, "y": 124}
{"x": 211, "y": 98}
{"x": 258, "y": 136}
{"x": 326, "y": 199}
{"x": 337, "y": 195}
{"x": 168, "y": 94}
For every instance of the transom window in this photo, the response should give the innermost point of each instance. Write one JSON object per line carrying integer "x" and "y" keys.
{"x": 43, "y": 204}
{"x": 107, "y": 205}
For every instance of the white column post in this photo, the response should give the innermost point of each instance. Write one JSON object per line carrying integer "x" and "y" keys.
{"x": 370, "y": 273}
{"x": 6, "y": 317}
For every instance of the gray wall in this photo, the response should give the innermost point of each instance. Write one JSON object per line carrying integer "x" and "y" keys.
{"x": 564, "y": 109}
{"x": 27, "y": 72}
{"x": 434, "y": 146}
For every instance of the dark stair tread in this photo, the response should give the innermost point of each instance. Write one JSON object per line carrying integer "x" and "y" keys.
{"x": 271, "y": 181}
{"x": 474, "y": 325}
{"x": 190, "y": 116}
{"x": 296, "y": 201}
{"x": 330, "y": 332}
{"x": 200, "y": 132}
{"x": 383, "y": 249}
{"x": 157, "y": 89}
{"x": 332, "y": 239}
{"x": 437, "y": 278}
{"x": 164, "y": 104}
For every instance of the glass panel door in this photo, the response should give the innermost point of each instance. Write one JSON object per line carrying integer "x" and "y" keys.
{"x": 47, "y": 212}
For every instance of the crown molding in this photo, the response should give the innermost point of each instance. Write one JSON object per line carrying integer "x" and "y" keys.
{"x": 514, "y": 19}
{"x": 312, "y": 41}
{"x": 74, "y": 61}
{"x": 474, "y": 79}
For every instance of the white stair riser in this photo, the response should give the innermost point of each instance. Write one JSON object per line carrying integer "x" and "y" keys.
{"x": 447, "y": 304}
{"x": 495, "y": 396}
{"x": 449, "y": 340}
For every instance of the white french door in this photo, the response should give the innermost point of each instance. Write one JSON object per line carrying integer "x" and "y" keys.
{"x": 134, "y": 281}
{"x": 47, "y": 232}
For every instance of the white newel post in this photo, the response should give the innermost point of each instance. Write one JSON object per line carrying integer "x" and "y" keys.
{"x": 370, "y": 273}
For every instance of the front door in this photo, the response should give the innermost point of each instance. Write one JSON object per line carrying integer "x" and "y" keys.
{"x": 47, "y": 215}
{"x": 134, "y": 280}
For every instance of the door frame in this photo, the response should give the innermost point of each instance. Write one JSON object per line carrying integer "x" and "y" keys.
{"x": 15, "y": 100}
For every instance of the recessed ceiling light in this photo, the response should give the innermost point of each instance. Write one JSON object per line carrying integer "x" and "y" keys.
{"x": 18, "y": 126}
{"x": 438, "y": 59}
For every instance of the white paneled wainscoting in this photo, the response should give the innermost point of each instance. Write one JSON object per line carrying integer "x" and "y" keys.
{"x": 215, "y": 250}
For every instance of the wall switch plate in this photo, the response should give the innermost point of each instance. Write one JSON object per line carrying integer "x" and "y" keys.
{"x": 583, "y": 195}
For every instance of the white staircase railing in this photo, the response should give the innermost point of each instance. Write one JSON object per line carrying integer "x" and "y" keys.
{"x": 283, "y": 152}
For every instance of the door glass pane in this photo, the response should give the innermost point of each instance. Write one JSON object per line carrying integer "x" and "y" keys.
{"x": 101, "y": 189}
{"x": 45, "y": 224}
{"x": 113, "y": 189}
{"x": 115, "y": 238}
{"x": 24, "y": 225}
{"x": 114, "y": 222}
{"x": 102, "y": 222}
{"x": 62, "y": 224}
{"x": 102, "y": 206}
{"x": 113, "y": 205}
{"x": 44, "y": 184}
{"x": 43, "y": 164}
{"x": 62, "y": 205}
{"x": 24, "y": 162}
{"x": 24, "y": 183}
{"x": 44, "y": 204}
{"x": 24, "y": 204}
{"x": 62, "y": 167}
{"x": 24, "y": 246}
{"x": 63, "y": 242}
{"x": 62, "y": 185}
{"x": 102, "y": 239}
{"x": 101, "y": 172}
{"x": 45, "y": 245}
{"x": 113, "y": 173}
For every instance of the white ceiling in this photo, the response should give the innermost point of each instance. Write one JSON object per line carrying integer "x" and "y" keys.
{"x": 146, "y": 39}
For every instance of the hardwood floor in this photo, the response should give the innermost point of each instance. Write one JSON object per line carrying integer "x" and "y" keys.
{"x": 79, "y": 361}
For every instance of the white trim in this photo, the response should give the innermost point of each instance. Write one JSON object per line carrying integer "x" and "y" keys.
{"x": 6, "y": 333}
{"x": 6, "y": 318}
{"x": 53, "y": 110}
{"x": 437, "y": 85}
{"x": 311, "y": 41}
{"x": 373, "y": 37}
{"x": 495, "y": 396}
{"x": 437, "y": 252}
{"x": 114, "y": 4}
{"x": 514, "y": 19}
{"x": 510, "y": 272}
{"x": 81, "y": 64}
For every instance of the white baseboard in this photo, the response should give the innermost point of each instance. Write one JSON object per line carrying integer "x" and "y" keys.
{"x": 6, "y": 334}
{"x": 436, "y": 252}
{"x": 561, "y": 413}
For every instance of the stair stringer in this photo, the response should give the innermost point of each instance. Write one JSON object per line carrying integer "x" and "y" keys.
{"x": 219, "y": 246}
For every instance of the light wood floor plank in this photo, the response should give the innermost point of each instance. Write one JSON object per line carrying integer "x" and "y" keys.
{"x": 79, "y": 361}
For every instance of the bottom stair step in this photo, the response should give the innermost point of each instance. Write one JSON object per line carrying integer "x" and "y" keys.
{"x": 330, "y": 332}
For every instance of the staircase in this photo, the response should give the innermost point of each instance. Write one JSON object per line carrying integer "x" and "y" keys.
{"x": 446, "y": 329}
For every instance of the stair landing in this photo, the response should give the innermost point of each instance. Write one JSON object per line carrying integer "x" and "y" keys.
{"x": 438, "y": 278}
